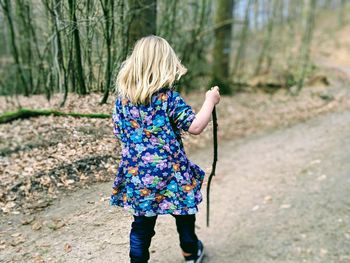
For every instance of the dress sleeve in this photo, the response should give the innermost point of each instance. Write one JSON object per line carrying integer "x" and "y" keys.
{"x": 180, "y": 113}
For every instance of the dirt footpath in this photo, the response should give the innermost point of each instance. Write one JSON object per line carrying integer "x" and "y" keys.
{"x": 282, "y": 196}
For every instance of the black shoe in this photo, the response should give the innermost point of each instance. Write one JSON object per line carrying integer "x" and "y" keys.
{"x": 196, "y": 258}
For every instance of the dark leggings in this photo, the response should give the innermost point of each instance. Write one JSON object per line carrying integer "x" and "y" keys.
{"x": 142, "y": 231}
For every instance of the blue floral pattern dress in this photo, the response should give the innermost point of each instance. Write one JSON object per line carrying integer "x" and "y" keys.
{"x": 154, "y": 174}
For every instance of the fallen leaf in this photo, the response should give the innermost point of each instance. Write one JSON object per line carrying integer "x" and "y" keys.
{"x": 285, "y": 206}
{"x": 37, "y": 225}
{"x": 56, "y": 224}
{"x": 27, "y": 220}
{"x": 322, "y": 177}
{"x": 268, "y": 199}
{"x": 315, "y": 162}
{"x": 39, "y": 259}
{"x": 18, "y": 240}
{"x": 67, "y": 247}
{"x": 255, "y": 208}
{"x": 323, "y": 252}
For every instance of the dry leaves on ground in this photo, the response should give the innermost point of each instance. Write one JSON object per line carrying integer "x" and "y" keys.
{"x": 41, "y": 158}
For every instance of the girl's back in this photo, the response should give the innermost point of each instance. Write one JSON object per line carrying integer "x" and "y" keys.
{"x": 155, "y": 175}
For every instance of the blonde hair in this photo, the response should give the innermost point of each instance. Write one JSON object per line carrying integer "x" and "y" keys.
{"x": 152, "y": 65}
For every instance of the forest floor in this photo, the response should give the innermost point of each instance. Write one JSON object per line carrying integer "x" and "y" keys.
{"x": 281, "y": 193}
{"x": 280, "y": 196}
{"x": 44, "y": 158}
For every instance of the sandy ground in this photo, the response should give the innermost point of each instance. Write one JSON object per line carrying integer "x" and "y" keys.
{"x": 281, "y": 196}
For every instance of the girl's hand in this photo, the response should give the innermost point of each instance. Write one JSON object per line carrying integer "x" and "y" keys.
{"x": 213, "y": 95}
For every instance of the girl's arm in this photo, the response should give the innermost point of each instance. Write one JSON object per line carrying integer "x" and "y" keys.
{"x": 203, "y": 116}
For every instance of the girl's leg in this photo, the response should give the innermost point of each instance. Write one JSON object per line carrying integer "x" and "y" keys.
{"x": 142, "y": 231}
{"x": 185, "y": 225}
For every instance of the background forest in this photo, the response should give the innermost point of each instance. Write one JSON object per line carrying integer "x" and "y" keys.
{"x": 50, "y": 46}
{"x": 281, "y": 190}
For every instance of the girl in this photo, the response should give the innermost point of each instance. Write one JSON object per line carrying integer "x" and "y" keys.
{"x": 154, "y": 175}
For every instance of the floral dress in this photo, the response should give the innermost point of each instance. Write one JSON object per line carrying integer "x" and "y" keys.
{"x": 154, "y": 175}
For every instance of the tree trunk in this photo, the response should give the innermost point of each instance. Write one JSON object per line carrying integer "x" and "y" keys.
{"x": 341, "y": 15}
{"x": 6, "y": 6}
{"x": 265, "y": 52}
{"x": 25, "y": 40}
{"x": 242, "y": 42}
{"x": 77, "y": 58}
{"x": 221, "y": 51}
{"x": 60, "y": 57}
{"x": 167, "y": 24}
{"x": 308, "y": 18}
{"x": 89, "y": 38}
{"x": 142, "y": 21}
{"x": 108, "y": 12}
